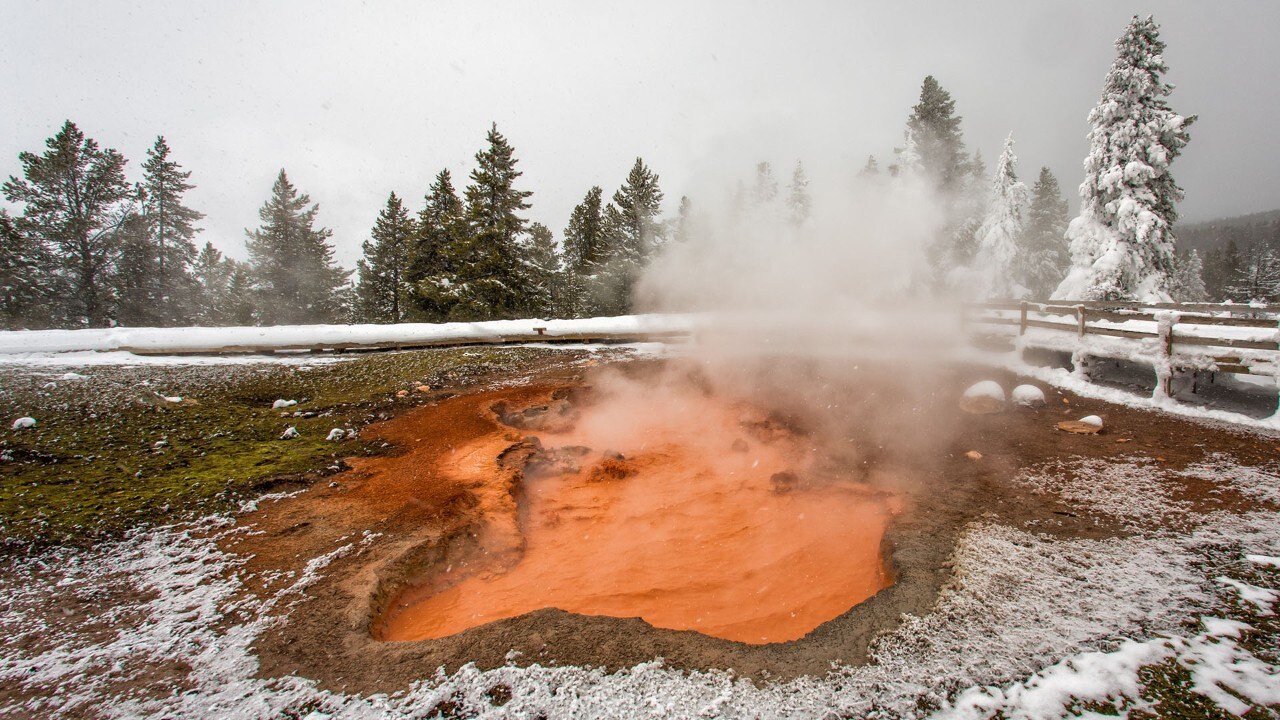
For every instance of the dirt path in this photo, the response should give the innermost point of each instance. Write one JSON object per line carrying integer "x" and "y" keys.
{"x": 411, "y": 517}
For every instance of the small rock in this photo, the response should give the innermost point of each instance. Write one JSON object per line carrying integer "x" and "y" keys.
{"x": 289, "y": 433}
{"x": 283, "y": 404}
{"x": 1092, "y": 420}
{"x": 333, "y": 484}
{"x": 402, "y": 393}
{"x": 973, "y": 455}
{"x": 24, "y": 423}
{"x": 424, "y": 388}
{"x": 74, "y": 376}
{"x": 613, "y": 455}
{"x": 335, "y": 435}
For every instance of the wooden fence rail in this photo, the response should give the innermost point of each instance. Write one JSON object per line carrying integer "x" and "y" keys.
{"x": 1156, "y": 321}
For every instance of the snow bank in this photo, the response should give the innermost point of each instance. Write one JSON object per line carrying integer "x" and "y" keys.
{"x": 305, "y": 337}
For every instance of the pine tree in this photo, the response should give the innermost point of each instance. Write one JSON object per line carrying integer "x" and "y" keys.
{"x": 1122, "y": 243}
{"x": 296, "y": 279}
{"x": 633, "y": 231}
{"x": 765, "y": 188}
{"x": 1045, "y": 257}
{"x": 798, "y": 202}
{"x": 910, "y": 164}
{"x": 936, "y": 130}
{"x": 1001, "y": 230}
{"x": 1188, "y": 281}
{"x": 171, "y": 229}
{"x": 585, "y": 252}
{"x": 438, "y": 251}
{"x": 542, "y": 271}
{"x": 684, "y": 220}
{"x": 238, "y": 306}
{"x": 382, "y": 291}
{"x": 871, "y": 169}
{"x": 24, "y": 278}
{"x": 76, "y": 202}
{"x": 211, "y": 274}
{"x": 488, "y": 279}
{"x": 137, "y": 279}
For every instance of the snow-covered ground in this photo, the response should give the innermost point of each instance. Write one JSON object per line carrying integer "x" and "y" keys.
{"x": 1032, "y": 626}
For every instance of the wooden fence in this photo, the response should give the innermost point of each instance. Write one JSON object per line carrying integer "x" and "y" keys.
{"x": 1087, "y": 318}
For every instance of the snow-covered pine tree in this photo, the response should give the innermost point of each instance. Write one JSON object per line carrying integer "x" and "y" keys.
{"x": 296, "y": 278}
{"x": 382, "y": 289}
{"x": 75, "y": 202}
{"x": 633, "y": 231}
{"x": 999, "y": 234}
{"x": 171, "y": 230}
{"x": 871, "y": 169}
{"x": 798, "y": 201}
{"x": 437, "y": 252}
{"x": 968, "y": 208}
{"x": 909, "y": 162}
{"x": 1258, "y": 279}
{"x": 1122, "y": 243}
{"x": 585, "y": 252}
{"x": 489, "y": 281}
{"x": 1045, "y": 258}
{"x": 1188, "y": 281}
{"x": 936, "y": 130}
{"x": 25, "y": 277}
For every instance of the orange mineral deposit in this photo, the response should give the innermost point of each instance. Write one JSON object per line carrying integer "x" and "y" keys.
{"x": 668, "y": 505}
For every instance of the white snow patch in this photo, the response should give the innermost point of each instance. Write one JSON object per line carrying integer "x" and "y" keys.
{"x": 1028, "y": 395}
{"x": 23, "y": 423}
{"x": 335, "y": 435}
{"x": 1263, "y": 560}
{"x": 282, "y": 403}
{"x": 985, "y": 389}
{"x": 290, "y": 433}
{"x": 1093, "y": 420}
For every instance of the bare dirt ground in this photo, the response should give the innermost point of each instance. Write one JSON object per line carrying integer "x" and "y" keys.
{"x": 410, "y": 523}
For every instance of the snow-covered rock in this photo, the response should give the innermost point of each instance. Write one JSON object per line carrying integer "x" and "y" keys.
{"x": 170, "y": 398}
{"x": 1093, "y": 420}
{"x": 289, "y": 433}
{"x": 74, "y": 376}
{"x": 983, "y": 397}
{"x": 1028, "y": 396}
{"x": 282, "y": 403}
{"x": 335, "y": 435}
{"x": 24, "y": 423}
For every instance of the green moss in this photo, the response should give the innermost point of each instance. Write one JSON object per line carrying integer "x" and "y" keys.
{"x": 109, "y": 454}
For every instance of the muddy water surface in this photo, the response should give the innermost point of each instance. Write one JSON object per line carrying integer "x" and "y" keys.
{"x": 661, "y": 503}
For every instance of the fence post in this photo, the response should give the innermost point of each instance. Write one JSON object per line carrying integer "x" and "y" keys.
{"x": 1022, "y": 321}
{"x": 1080, "y": 320}
{"x": 1166, "y": 348}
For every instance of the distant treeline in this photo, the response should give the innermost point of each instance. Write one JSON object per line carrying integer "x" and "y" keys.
{"x": 89, "y": 249}
{"x": 1241, "y": 255}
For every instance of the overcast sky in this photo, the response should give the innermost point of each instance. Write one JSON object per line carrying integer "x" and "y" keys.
{"x": 358, "y": 99}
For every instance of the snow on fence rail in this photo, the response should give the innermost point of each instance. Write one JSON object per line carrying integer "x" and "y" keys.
{"x": 338, "y": 338}
{"x": 1170, "y": 336}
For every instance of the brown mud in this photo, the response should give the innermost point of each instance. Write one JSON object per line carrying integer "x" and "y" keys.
{"x": 476, "y": 516}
